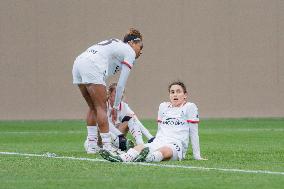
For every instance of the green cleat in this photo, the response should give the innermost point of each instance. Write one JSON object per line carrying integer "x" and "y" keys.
{"x": 110, "y": 156}
{"x": 142, "y": 156}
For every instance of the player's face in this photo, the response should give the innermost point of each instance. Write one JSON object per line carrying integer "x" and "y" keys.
{"x": 177, "y": 95}
{"x": 137, "y": 47}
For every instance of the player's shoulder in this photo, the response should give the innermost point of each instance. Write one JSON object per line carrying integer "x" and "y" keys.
{"x": 191, "y": 105}
{"x": 130, "y": 51}
{"x": 124, "y": 104}
{"x": 164, "y": 105}
{"x": 125, "y": 109}
{"x": 123, "y": 45}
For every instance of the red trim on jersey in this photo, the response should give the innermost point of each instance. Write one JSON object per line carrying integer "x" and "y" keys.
{"x": 120, "y": 106}
{"x": 126, "y": 63}
{"x": 192, "y": 121}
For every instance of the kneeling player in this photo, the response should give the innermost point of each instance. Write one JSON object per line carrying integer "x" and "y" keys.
{"x": 177, "y": 122}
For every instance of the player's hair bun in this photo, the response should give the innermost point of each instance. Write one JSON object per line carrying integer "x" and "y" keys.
{"x": 132, "y": 34}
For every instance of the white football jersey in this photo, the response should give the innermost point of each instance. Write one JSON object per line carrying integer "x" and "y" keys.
{"x": 174, "y": 123}
{"x": 116, "y": 52}
{"x": 124, "y": 110}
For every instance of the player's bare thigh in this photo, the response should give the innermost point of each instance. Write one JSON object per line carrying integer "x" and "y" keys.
{"x": 86, "y": 95}
{"x": 98, "y": 96}
{"x": 91, "y": 115}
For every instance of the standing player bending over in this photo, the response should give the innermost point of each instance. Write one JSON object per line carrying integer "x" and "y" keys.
{"x": 90, "y": 71}
{"x": 177, "y": 122}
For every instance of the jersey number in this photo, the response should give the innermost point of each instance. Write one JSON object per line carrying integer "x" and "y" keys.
{"x": 107, "y": 42}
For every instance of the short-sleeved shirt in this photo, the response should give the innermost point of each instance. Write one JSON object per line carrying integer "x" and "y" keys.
{"x": 174, "y": 123}
{"x": 116, "y": 52}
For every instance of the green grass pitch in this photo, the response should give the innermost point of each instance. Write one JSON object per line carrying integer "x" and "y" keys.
{"x": 239, "y": 153}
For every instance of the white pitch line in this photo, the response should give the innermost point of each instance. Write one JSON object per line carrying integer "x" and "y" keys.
{"x": 245, "y": 129}
{"x": 50, "y": 155}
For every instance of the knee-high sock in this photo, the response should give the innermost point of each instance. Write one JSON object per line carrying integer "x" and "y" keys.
{"x": 194, "y": 138}
{"x": 134, "y": 129}
{"x": 113, "y": 129}
{"x": 156, "y": 156}
{"x": 144, "y": 130}
{"x": 106, "y": 139}
{"x": 92, "y": 133}
{"x": 115, "y": 139}
{"x": 114, "y": 134}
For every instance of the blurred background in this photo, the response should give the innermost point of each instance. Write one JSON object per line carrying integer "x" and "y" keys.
{"x": 230, "y": 54}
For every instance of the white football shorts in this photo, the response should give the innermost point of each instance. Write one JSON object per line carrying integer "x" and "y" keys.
{"x": 90, "y": 68}
{"x": 175, "y": 146}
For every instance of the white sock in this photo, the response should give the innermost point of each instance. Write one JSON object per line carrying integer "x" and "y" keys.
{"x": 113, "y": 129}
{"x": 130, "y": 155}
{"x": 92, "y": 133}
{"x": 106, "y": 138}
{"x": 144, "y": 130}
{"x": 134, "y": 129}
{"x": 115, "y": 139}
{"x": 156, "y": 156}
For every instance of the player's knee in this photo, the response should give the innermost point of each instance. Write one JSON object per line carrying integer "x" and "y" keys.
{"x": 126, "y": 118}
{"x": 100, "y": 108}
{"x": 166, "y": 152}
{"x": 139, "y": 148}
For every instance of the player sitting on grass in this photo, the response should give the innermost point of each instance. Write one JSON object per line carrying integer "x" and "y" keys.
{"x": 177, "y": 122}
{"x": 125, "y": 121}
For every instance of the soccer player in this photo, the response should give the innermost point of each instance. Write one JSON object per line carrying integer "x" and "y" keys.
{"x": 177, "y": 123}
{"x": 126, "y": 121}
{"x": 90, "y": 71}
